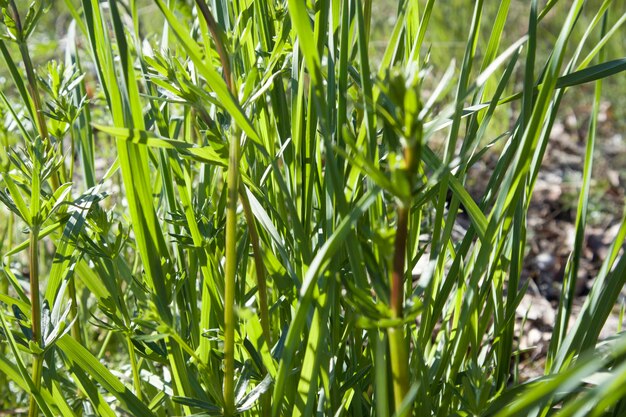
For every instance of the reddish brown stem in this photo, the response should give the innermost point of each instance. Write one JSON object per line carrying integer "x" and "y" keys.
{"x": 397, "y": 274}
{"x": 216, "y": 34}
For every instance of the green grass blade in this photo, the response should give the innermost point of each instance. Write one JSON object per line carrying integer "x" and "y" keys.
{"x": 81, "y": 357}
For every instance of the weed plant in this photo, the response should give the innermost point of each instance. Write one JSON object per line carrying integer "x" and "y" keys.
{"x": 250, "y": 247}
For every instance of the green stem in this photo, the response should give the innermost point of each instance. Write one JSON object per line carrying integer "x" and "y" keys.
{"x": 30, "y": 73}
{"x": 33, "y": 409}
{"x": 134, "y": 366}
{"x": 34, "y": 91}
{"x": 230, "y": 275}
{"x": 231, "y": 230}
{"x": 40, "y": 121}
{"x": 399, "y": 356}
{"x": 76, "y": 331}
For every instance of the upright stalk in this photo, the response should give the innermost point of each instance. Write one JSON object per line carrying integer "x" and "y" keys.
{"x": 231, "y": 227}
{"x": 398, "y": 352}
{"x": 134, "y": 366}
{"x": 33, "y": 409}
{"x": 30, "y": 73}
{"x": 397, "y": 273}
{"x": 40, "y": 120}
{"x": 231, "y": 232}
{"x": 398, "y": 344}
{"x": 230, "y": 272}
{"x": 76, "y": 331}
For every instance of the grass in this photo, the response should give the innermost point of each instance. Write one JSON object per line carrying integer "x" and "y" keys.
{"x": 277, "y": 182}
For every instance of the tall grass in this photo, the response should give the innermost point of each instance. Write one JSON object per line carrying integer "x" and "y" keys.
{"x": 276, "y": 191}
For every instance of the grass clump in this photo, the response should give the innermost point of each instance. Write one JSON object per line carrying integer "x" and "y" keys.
{"x": 250, "y": 248}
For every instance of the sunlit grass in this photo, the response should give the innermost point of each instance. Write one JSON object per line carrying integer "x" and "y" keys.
{"x": 278, "y": 184}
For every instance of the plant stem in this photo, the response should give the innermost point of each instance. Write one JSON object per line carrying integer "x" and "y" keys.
{"x": 33, "y": 409}
{"x": 219, "y": 44}
{"x": 34, "y": 91}
{"x": 230, "y": 275}
{"x": 76, "y": 331}
{"x": 398, "y": 344}
{"x": 231, "y": 230}
{"x": 398, "y": 352}
{"x": 397, "y": 274}
{"x": 40, "y": 121}
{"x": 30, "y": 73}
{"x": 261, "y": 287}
{"x": 134, "y": 366}
{"x": 231, "y": 227}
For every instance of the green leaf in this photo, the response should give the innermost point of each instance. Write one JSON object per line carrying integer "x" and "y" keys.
{"x": 84, "y": 360}
{"x": 593, "y": 73}
{"x": 204, "y": 154}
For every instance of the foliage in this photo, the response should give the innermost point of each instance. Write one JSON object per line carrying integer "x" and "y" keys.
{"x": 269, "y": 192}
